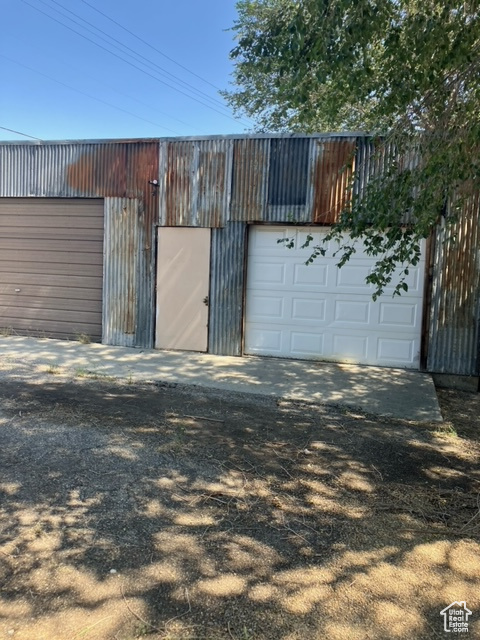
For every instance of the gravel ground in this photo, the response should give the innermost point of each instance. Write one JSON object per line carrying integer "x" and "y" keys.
{"x": 178, "y": 513}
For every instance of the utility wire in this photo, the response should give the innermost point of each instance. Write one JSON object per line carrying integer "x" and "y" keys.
{"x": 125, "y": 95}
{"x": 149, "y": 45}
{"x": 127, "y": 61}
{"x": 140, "y": 58}
{"x": 21, "y": 134}
{"x": 109, "y": 104}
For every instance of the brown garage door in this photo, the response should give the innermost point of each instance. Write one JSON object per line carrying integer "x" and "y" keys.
{"x": 51, "y": 263}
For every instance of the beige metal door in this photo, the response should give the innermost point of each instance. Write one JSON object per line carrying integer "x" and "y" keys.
{"x": 183, "y": 274}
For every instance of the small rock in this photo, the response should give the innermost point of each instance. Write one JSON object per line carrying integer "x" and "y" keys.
{"x": 113, "y": 571}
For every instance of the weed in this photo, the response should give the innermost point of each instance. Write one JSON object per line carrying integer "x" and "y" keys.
{"x": 447, "y": 430}
{"x": 93, "y": 375}
{"x": 5, "y": 332}
{"x": 142, "y": 629}
{"x": 84, "y": 338}
{"x": 53, "y": 369}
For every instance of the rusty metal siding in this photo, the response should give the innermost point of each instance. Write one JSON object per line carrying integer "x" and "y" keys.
{"x": 78, "y": 169}
{"x": 251, "y": 160}
{"x": 196, "y": 185}
{"x": 127, "y": 293}
{"x": 117, "y": 170}
{"x": 226, "y": 289}
{"x": 454, "y": 337}
{"x": 333, "y": 166}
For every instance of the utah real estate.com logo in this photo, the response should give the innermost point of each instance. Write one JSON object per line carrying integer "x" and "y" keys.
{"x": 455, "y": 617}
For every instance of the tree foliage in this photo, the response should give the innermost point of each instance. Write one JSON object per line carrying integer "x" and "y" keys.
{"x": 405, "y": 71}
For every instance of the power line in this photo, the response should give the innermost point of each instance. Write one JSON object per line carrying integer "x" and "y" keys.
{"x": 21, "y": 134}
{"x": 127, "y": 61}
{"x": 109, "y": 104}
{"x": 164, "y": 72}
{"x": 149, "y": 45}
{"x": 121, "y": 93}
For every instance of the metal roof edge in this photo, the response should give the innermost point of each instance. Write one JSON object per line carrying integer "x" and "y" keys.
{"x": 232, "y": 136}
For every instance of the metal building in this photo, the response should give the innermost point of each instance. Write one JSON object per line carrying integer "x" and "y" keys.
{"x": 173, "y": 243}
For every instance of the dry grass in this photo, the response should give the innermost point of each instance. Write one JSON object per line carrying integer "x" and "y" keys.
{"x": 172, "y": 514}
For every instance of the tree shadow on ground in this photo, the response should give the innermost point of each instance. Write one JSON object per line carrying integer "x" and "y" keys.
{"x": 181, "y": 513}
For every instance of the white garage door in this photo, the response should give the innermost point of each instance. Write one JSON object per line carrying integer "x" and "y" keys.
{"x": 323, "y": 312}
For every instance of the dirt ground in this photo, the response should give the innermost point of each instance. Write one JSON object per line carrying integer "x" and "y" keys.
{"x": 173, "y": 513}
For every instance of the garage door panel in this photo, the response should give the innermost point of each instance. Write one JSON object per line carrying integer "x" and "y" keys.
{"x": 52, "y": 270}
{"x": 78, "y": 303}
{"x": 352, "y": 276}
{"x": 320, "y": 311}
{"x": 354, "y": 312}
{"x": 304, "y": 344}
{"x": 396, "y": 350}
{"x": 51, "y": 266}
{"x": 50, "y": 292}
{"x": 59, "y": 246}
{"x": 414, "y": 281}
{"x": 267, "y": 307}
{"x": 406, "y": 314}
{"x": 76, "y": 224}
{"x": 266, "y": 341}
{"x": 64, "y": 208}
{"x": 270, "y": 273}
{"x": 44, "y": 313}
{"x": 54, "y": 328}
{"x": 314, "y": 276}
{"x": 308, "y": 310}
{"x": 62, "y": 257}
{"x": 350, "y": 346}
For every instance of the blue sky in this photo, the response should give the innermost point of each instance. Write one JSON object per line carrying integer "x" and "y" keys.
{"x": 54, "y": 83}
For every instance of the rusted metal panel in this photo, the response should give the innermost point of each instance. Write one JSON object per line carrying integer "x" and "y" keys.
{"x": 77, "y": 169}
{"x": 333, "y": 166}
{"x": 372, "y": 159}
{"x": 127, "y": 293}
{"x": 197, "y": 183}
{"x": 116, "y": 170}
{"x": 226, "y": 289}
{"x": 51, "y": 255}
{"x": 214, "y": 182}
{"x": 251, "y": 159}
{"x": 455, "y": 310}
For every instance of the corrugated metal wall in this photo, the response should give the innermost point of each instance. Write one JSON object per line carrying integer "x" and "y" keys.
{"x": 226, "y": 289}
{"x": 453, "y": 345}
{"x": 279, "y": 179}
{"x": 119, "y": 171}
{"x": 127, "y": 298}
{"x": 225, "y": 183}
{"x": 195, "y": 182}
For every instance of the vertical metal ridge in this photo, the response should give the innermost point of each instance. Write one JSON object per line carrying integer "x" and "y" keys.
{"x": 455, "y": 310}
{"x": 334, "y": 164}
{"x": 120, "y": 277}
{"x": 251, "y": 160}
{"x": 226, "y": 289}
{"x": 197, "y": 187}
